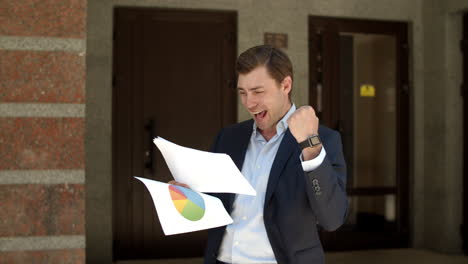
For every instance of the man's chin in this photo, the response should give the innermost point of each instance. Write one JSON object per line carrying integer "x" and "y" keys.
{"x": 261, "y": 126}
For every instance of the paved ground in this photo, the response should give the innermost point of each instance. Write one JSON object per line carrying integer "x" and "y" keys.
{"x": 388, "y": 256}
{"x": 394, "y": 256}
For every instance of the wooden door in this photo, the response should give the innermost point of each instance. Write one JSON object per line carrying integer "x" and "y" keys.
{"x": 171, "y": 75}
{"x": 347, "y": 55}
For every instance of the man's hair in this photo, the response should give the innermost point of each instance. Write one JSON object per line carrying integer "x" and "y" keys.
{"x": 276, "y": 62}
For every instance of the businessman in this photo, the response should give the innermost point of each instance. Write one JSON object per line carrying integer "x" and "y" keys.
{"x": 295, "y": 165}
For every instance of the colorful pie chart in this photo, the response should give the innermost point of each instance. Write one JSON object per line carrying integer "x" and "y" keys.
{"x": 187, "y": 202}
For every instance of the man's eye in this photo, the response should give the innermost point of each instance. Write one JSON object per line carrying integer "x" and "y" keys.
{"x": 258, "y": 92}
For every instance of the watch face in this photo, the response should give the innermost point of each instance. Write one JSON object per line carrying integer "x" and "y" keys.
{"x": 315, "y": 141}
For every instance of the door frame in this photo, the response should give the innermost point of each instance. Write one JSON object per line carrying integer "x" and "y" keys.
{"x": 321, "y": 71}
{"x": 464, "y": 90}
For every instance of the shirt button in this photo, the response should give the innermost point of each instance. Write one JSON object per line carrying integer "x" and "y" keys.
{"x": 258, "y": 166}
{"x": 236, "y": 243}
{"x": 244, "y": 218}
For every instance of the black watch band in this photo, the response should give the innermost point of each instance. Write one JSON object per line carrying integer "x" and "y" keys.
{"x": 311, "y": 141}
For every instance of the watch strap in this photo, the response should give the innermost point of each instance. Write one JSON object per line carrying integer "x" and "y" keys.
{"x": 311, "y": 141}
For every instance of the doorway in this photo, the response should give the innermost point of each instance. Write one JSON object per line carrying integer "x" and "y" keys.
{"x": 359, "y": 86}
{"x": 171, "y": 73}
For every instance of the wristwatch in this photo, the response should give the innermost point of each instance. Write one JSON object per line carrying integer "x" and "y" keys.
{"x": 311, "y": 141}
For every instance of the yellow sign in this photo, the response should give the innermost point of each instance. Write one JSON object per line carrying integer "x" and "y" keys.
{"x": 367, "y": 90}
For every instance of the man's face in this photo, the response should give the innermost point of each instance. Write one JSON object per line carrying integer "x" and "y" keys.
{"x": 265, "y": 99}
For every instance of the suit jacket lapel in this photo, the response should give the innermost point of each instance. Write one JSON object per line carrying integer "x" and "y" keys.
{"x": 286, "y": 149}
{"x": 239, "y": 149}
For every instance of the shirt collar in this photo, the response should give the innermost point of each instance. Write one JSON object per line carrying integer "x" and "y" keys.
{"x": 281, "y": 126}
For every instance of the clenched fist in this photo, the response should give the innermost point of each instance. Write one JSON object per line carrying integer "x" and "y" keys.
{"x": 303, "y": 123}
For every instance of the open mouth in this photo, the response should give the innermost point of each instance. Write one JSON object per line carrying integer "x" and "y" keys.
{"x": 260, "y": 115}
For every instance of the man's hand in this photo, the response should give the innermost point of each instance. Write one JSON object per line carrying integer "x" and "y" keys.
{"x": 303, "y": 123}
{"x": 179, "y": 184}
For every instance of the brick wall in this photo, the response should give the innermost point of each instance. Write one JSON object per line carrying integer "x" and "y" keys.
{"x": 42, "y": 96}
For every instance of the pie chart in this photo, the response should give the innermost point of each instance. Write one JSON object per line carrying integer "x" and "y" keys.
{"x": 187, "y": 202}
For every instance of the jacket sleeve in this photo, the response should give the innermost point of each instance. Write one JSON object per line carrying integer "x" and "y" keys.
{"x": 326, "y": 186}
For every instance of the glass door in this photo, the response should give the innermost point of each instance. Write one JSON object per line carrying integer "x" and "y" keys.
{"x": 359, "y": 87}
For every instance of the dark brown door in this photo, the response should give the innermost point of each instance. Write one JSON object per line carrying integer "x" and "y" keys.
{"x": 359, "y": 86}
{"x": 171, "y": 74}
{"x": 464, "y": 46}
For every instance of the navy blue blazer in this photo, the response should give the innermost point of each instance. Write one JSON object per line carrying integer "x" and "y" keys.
{"x": 295, "y": 201}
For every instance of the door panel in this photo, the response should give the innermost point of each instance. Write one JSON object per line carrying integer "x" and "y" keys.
{"x": 172, "y": 70}
{"x": 359, "y": 86}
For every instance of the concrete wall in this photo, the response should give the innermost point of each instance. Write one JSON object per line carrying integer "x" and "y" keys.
{"x": 443, "y": 114}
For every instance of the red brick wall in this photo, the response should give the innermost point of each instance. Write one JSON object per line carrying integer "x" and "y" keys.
{"x": 45, "y": 18}
{"x": 42, "y": 143}
{"x": 41, "y": 210}
{"x": 70, "y": 256}
{"x": 42, "y": 76}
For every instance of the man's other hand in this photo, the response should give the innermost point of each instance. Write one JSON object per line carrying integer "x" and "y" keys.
{"x": 179, "y": 184}
{"x": 303, "y": 123}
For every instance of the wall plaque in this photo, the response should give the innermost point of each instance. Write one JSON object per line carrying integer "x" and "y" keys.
{"x": 277, "y": 40}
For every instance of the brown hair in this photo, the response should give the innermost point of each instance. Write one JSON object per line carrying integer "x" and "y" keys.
{"x": 276, "y": 62}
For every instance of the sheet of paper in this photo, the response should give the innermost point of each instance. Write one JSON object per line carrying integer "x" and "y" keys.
{"x": 181, "y": 210}
{"x": 203, "y": 171}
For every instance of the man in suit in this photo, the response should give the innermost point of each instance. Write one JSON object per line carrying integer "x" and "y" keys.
{"x": 295, "y": 165}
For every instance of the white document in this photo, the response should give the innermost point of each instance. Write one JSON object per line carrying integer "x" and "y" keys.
{"x": 181, "y": 210}
{"x": 203, "y": 171}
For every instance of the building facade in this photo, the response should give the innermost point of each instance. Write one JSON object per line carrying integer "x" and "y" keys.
{"x": 56, "y": 112}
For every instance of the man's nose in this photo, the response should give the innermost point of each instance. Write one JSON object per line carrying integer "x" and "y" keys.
{"x": 251, "y": 102}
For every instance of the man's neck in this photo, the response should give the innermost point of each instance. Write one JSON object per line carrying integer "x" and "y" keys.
{"x": 268, "y": 133}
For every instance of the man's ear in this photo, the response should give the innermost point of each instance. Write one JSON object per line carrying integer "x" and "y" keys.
{"x": 286, "y": 84}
